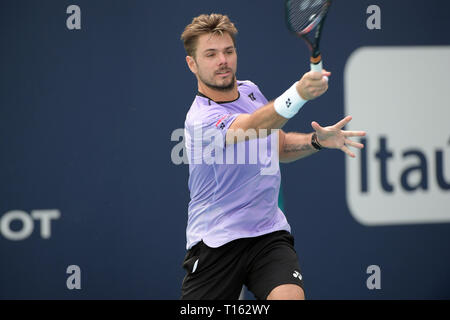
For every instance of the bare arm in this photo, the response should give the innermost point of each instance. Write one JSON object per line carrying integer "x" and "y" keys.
{"x": 294, "y": 146}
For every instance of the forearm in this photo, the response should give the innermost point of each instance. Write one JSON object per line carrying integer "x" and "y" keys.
{"x": 294, "y": 146}
{"x": 266, "y": 118}
{"x": 262, "y": 122}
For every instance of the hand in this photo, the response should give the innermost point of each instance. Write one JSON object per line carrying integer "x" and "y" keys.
{"x": 334, "y": 137}
{"x": 313, "y": 84}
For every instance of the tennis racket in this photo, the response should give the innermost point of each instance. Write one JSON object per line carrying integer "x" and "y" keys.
{"x": 302, "y": 16}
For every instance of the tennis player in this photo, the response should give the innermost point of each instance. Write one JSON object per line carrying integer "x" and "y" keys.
{"x": 236, "y": 233}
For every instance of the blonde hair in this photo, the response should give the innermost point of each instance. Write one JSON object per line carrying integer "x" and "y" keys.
{"x": 213, "y": 23}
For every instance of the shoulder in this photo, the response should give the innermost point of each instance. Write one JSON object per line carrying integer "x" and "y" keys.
{"x": 204, "y": 110}
{"x": 249, "y": 88}
{"x": 246, "y": 85}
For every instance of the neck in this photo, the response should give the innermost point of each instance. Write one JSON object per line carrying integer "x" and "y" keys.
{"x": 218, "y": 95}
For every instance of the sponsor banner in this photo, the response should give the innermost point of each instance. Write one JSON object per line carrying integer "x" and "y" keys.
{"x": 401, "y": 97}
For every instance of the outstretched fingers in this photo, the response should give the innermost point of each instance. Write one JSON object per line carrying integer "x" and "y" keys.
{"x": 354, "y": 133}
{"x": 343, "y": 122}
{"x": 347, "y": 151}
{"x": 353, "y": 144}
{"x": 348, "y": 142}
{"x": 316, "y": 126}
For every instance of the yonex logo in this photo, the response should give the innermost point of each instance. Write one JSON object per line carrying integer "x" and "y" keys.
{"x": 297, "y": 274}
{"x": 288, "y": 102}
{"x": 252, "y": 96}
{"x": 220, "y": 121}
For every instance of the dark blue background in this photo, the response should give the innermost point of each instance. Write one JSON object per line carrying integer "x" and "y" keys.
{"x": 85, "y": 123}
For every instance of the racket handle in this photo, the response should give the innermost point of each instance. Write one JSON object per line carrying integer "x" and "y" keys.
{"x": 317, "y": 67}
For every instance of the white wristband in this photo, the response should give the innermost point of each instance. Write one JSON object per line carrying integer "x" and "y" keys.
{"x": 289, "y": 103}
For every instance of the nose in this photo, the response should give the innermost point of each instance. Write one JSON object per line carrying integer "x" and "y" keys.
{"x": 222, "y": 58}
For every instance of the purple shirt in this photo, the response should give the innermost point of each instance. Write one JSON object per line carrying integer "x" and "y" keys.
{"x": 231, "y": 195}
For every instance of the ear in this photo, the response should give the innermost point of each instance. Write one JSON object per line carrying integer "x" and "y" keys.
{"x": 191, "y": 64}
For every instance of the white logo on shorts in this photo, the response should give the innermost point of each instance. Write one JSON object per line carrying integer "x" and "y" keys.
{"x": 195, "y": 266}
{"x": 297, "y": 274}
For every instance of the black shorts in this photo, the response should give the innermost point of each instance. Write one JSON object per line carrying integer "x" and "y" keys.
{"x": 261, "y": 263}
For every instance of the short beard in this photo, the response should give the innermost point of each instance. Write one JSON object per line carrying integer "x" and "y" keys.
{"x": 223, "y": 88}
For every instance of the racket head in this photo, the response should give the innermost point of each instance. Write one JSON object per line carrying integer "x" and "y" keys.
{"x": 304, "y": 15}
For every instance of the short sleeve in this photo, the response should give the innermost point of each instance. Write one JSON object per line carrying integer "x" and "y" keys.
{"x": 207, "y": 129}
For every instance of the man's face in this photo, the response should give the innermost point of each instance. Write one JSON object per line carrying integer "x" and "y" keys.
{"x": 215, "y": 62}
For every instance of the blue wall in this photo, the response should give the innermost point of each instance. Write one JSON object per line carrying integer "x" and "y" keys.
{"x": 85, "y": 123}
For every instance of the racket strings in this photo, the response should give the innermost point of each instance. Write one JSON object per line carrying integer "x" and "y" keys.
{"x": 302, "y": 14}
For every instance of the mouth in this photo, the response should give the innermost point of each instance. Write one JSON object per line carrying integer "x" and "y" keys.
{"x": 223, "y": 73}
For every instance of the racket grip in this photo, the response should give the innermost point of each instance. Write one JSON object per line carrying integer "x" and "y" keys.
{"x": 317, "y": 67}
